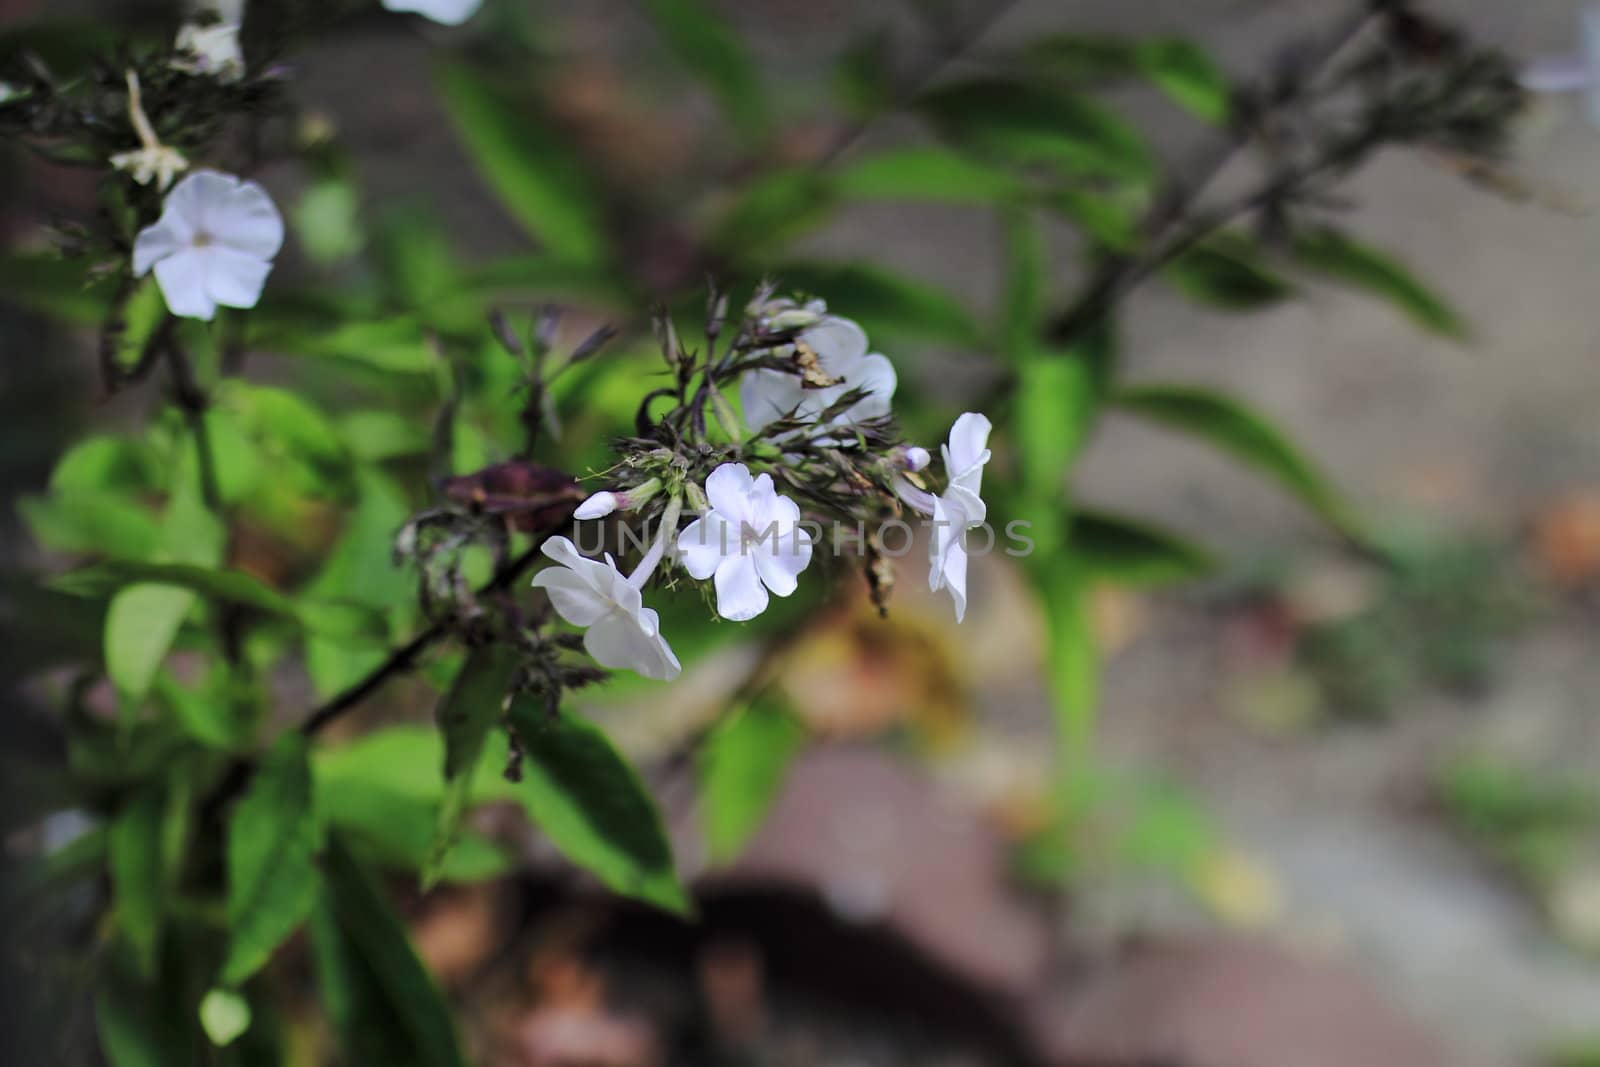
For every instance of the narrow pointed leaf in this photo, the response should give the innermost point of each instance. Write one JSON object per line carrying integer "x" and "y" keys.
{"x": 383, "y": 1003}
{"x": 528, "y": 164}
{"x": 711, "y": 51}
{"x": 742, "y": 767}
{"x": 1346, "y": 260}
{"x": 1133, "y": 553}
{"x": 591, "y": 804}
{"x": 1232, "y": 427}
{"x": 1227, "y": 271}
{"x": 1183, "y": 71}
{"x": 272, "y": 874}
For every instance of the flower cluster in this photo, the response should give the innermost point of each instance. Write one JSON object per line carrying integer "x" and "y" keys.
{"x": 816, "y": 422}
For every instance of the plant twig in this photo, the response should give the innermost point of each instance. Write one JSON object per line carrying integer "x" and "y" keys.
{"x": 1118, "y": 275}
{"x": 193, "y": 402}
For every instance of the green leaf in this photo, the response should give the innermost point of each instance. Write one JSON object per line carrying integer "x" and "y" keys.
{"x": 141, "y": 623}
{"x": 138, "y": 877}
{"x": 591, "y": 804}
{"x": 224, "y": 1015}
{"x": 863, "y": 76}
{"x": 230, "y": 587}
{"x": 884, "y": 302}
{"x": 141, "y": 313}
{"x": 143, "y": 1023}
{"x": 935, "y": 174}
{"x": 742, "y": 766}
{"x": 712, "y": 52}
{"x": 106, "y": 463}
{"x": 381, "y": 1000}
{"x": 1022, "y": 299}
{"x": 772, "y": 211}
{"x": 1183, "y": 71}
{"x": 1132, "y": 553}
{"x": 272, "y": 873}
{"x": 54, "y": 286}
{"x": 1083, "y": 59}
{"x": 1227, "y": 271}
{"x": 1235, "y": 429}
{"x": 528, "y": 164}
{"x": 1022, "y": 123}
{"x": 1346, "y": 260}
{"x": 466, "y": 715}
{"x": 384, "y": 792}
{"x": 91, "y": 522}
{"x": 327, "y": 220}
{"x": 1110, "y": 220}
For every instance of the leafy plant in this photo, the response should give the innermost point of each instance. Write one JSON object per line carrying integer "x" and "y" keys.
{"x": 246, "y": 532}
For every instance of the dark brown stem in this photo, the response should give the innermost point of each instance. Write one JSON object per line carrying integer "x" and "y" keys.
{"x": 1164, "y": 228}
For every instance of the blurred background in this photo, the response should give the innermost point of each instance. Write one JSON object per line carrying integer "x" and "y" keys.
{"x": 1338, "y": 813}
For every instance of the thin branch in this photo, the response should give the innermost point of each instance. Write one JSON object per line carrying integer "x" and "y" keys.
{"x": 1117, "y": 275}
{"x": 193, "y": 402}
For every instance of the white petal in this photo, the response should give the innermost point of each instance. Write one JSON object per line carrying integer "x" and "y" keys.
{"x": 618, "y": 642}
{"x": 247, "y": 220}
{"x": 876, "y": 375}
{"x": 572, "y": 597}
{"x": 202, "y": 198}
{"x": 919, "y": 499}
{"x": 234, "y": 279}
{"x": 167, "y": 236}
{"x": 839, "y": 345}
{"x": 969, "y": 438}
{"x": 1554, "y": 74}
{"x": 729, "y": 488}
{"x": 182, "y": 278}
{"x": 664, "y": 666}
{"x": 955, "y": 579}
{"x": 780, "y": 567}
{"x": 447, "y": 12}
{"x": 596, "y": 575}
{"x": 768, "y": 395}
{"x": 740, "y": 594}
{"x": 970, "y": 504}
{"x": 703, "y": 544}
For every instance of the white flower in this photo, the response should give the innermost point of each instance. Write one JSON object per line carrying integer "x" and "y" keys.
{"x": 211, "y": 49}
{"x": 958, "y": 509}
{"x": 152, "y": 159}
{"x": 1567, "y": 74}
{"x": 448, "y": 12}
{"x": 619, "y": 631}
{"x": 750, "y": 541}
{"x": 841, "y": 348}
{"x": 213, "y": 244}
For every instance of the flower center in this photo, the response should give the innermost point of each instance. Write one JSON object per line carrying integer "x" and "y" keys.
{"x": 202, "y": 239}
{"x": 749, "y": 535}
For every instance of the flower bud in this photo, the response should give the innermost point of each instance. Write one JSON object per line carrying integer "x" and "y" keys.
{"x": 914, "y": 458}
{"x": 794, "y": 319}
{"x": 597, "y": 506}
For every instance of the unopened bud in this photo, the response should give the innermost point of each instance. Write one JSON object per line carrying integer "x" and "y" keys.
{"x": 915, "y": 458}
{"x": 725, "y": 416}
{"x": 794, "y": 319}
{"x": 597, "y": 506}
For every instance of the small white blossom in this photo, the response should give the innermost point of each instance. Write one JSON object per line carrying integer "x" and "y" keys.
{"x": 841, "y": 349}
{"x": 448, "y": 12}
{"x": 958, "y": 509}
{"x": 212, "y": 48}
{"x": 152, "y": 160}
{"x": 1570, "y": 74}
{"x": 213, "y": 244}
{"x": 749, "y": 541}
{"x": 619, "y": 631}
